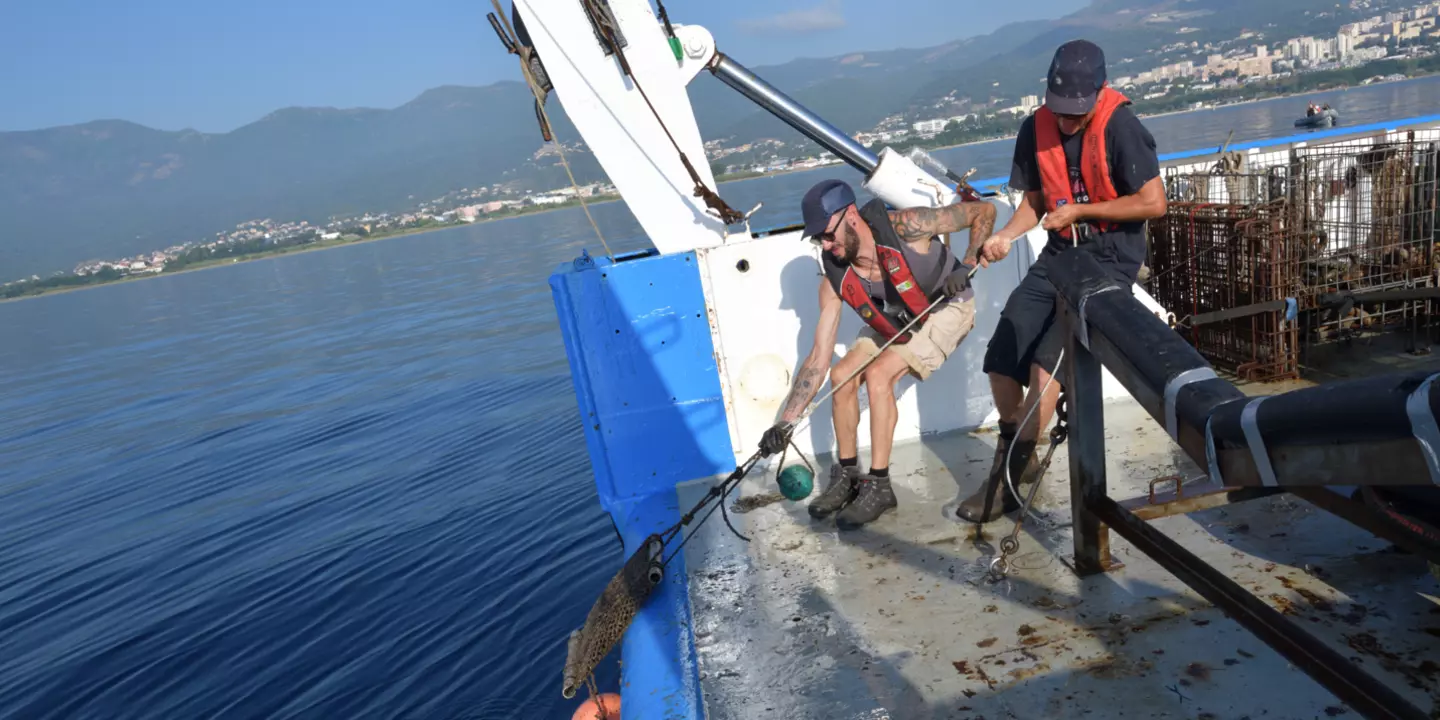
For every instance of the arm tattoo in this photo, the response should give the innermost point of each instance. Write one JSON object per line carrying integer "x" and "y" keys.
{"x": 806, "y": 383}
{"x": 919, "y": 223}
{"x": 980, "y": 231}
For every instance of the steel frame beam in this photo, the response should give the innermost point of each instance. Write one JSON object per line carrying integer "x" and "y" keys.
{"x": 1358, "y": 689}
{"x": 1196, "y": 413}
{"x": 1083, "y": 384}
{"x": 1310, "y": 435}
{"x": 1176, "y": 503}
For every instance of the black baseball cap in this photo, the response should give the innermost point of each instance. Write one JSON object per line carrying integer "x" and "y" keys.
{"x": 1076, "y": 75}
{"x": 823, "y": 200}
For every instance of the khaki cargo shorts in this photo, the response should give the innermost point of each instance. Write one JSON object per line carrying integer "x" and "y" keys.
{"x": 929, "y": 346}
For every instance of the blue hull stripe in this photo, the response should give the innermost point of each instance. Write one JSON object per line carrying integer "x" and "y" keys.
{"x": 637, "y": 335}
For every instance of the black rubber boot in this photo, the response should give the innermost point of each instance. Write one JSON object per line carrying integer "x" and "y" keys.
{"x": 994, "y": 498}
{"x": 875, "y": 498}
{"x": 838, "y": 493}
{"x": 1024, "y": 464}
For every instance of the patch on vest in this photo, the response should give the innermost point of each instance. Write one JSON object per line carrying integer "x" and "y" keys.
{"x": 866, "y": 312}
{"x": 893, "y": 265}
{"x": 902, "y": 287}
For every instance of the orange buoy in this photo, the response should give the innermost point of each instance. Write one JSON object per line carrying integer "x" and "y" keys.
{"x": 591, "y": 709}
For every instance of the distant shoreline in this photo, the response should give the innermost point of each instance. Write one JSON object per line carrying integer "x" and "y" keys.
{"x": 223, "y": 262}
{"x": 295, "y": 250}
{"x": 298, "y": 249}
{"x": 601, "y": 200}
{"x": 1219, "y": 106}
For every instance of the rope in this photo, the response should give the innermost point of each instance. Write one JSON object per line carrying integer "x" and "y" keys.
{"x": 524, "y": 53}
{"x": 719, "y": 491}
{"x": 727, "y": 214}
{"x": 722, "y": 489}
{"x": 595, "y": 695}
{"x": 1039, "y": 399}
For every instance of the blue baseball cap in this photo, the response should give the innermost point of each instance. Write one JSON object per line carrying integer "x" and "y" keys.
{"x": 1077, "y": 73}
{"x": 823, "y": 201}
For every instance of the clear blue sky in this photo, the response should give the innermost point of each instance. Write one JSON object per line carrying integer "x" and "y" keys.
{"x": 212, "y": 66}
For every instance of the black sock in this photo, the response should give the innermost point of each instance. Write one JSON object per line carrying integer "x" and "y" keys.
{"x": 849, "y": 462}
{"x": 1008, "y": 430}
{"x": 880, "y": 473}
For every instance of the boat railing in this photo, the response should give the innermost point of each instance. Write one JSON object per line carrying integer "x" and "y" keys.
{"x": 1379, "y": 430}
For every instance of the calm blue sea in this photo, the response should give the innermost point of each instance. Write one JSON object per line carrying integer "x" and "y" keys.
{"x": 342, "y": 484}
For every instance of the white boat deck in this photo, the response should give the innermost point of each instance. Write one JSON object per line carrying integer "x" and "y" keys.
{"x": 898, "y": 619}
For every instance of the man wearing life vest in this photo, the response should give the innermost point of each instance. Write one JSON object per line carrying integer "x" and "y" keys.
{"x": 889, "y": 266}
{"x": 1086, "y": 163}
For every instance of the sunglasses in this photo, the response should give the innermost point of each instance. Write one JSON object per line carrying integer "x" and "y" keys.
{"x": 819, "y": 239}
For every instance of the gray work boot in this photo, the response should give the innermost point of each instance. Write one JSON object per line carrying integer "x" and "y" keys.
{"x": 838, "y": 493}
{"x": 994, "y": 498}
{"x": 873, "y": 499}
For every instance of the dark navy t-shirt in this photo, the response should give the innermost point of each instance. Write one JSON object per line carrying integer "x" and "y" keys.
{"x": 1133, "y": 162}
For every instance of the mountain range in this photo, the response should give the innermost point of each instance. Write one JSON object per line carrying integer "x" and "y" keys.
{"x": 111, "y": 188}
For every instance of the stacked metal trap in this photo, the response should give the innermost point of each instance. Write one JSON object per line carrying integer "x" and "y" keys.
{"x": 1257, "y": 263}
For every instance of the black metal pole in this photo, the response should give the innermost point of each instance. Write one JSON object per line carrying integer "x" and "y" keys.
{"x": 1083, "y": 383}
{"x": 1326, "y": 435}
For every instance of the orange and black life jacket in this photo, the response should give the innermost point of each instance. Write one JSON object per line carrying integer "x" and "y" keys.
{"x": 1094, "y": 160}
{"x": 897, "y": 275}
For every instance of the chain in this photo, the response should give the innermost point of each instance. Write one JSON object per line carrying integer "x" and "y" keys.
{"x": 1010, "y": 544}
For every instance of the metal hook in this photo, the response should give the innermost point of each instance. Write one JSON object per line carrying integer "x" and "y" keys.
{"x": 999, "y": 568}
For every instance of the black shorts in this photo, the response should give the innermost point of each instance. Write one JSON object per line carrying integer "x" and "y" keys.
{"x": 1027, "y": 332}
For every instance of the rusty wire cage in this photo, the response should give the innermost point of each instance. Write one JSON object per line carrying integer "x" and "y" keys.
{"x": 1365, "y": 220}
{"x": 1247, "y": 257}
{"x": 1228, "y": 182}
{"x": 1226, "y": 272}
